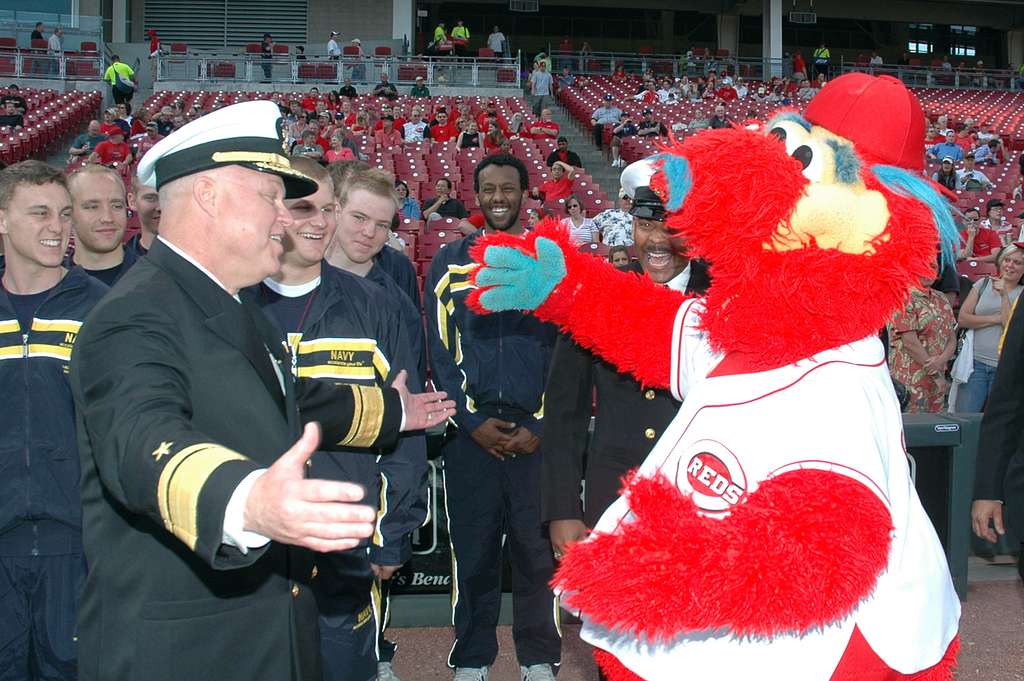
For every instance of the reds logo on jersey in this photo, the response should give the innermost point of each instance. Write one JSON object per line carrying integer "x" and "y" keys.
{"x": 716, "y": 477}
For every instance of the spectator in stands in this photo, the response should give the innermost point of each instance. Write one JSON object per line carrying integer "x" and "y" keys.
{"x": 109, "y": 121}
{"x": 987, "y": 153}
{"x": 970, "y": 178}
{"x": 13, "y": 94}
{"x": 55, "y": 49}
{"x": 308, "y": 147}
{"x": 408, "y": 206}
{"x": 618, "y": 256}
{"x": 876, "y": 59}
{"x": 649, "y": 95}
{"x": 649, "y": 127}
{"x": 85, "y": 143}
{"x": 443, "y": 131}
{"x": 495, "y": 140}
{"x": 333, "y": 49}
{"x": 582, "y": 229}
{"x": 144, "y": 201}
{"x": 558, "y": 186}
{"x": 616, "y": 224}
{"x": 342, "y": 148}
{"x": 122, "y": 80}
{"x": 177, "y": 122}
{"x": 41, "y": 518}
{"x": 347, "y": 90}
{"x": 606, "y": 114}
{"x": 444, "y": 205}
{"x": 37, "y": 32}
{"x": 440, "y": 42}
{"x": 362, "y": 124}
{"x": 310, "y": 99}
{"x": 545, "y": 128}
{"x": 625, "y": 128}
{"x": 146, "y": 141}
{"x": 113, "y": 151}
{"x": 99, "y": 218}
{"x": 564, "y": 154}
{"x": 922, "y": 340}
{"x": 11, "y": 118}
{"x": 945, "y": 175}
{"x": 978, "y": 242}
{"x": 822, "y": 60}
{"x": 387, "y": 137}
{"x": 470, "y": 137}
{"x": 266, "y": 55}
{"x": 533, "y": 216}
{"x": 996, "y": 221}
{"x": 986, "y": 311}
{"x": 416, "y": 129}
{"x": 947, "y": 148}
{"x": 496, "y": 41}
{"x": 487, "y": 121}
{"x": 516, "y": 128}
{"x": 719, "y": 120}
{"x": 566, "y": 79}
{"x": 385, "y": 88}
{"x": 387, "y": 109}
{"x": 164, "y": 120}
{"x": 419, "y": 89}
{"x": 540, "y": 86}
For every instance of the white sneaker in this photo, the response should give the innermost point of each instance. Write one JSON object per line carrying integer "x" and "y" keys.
{"x": 471, "y": 673}
{"x": 537, "y": 672}
{"x": 385, "y": 672}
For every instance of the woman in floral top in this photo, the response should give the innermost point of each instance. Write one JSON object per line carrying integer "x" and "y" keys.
{"x": 922, "y": 340}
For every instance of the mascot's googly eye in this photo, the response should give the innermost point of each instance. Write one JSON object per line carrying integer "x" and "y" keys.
{"x": 790, "y": 133}
{"x": 812, "y": 157}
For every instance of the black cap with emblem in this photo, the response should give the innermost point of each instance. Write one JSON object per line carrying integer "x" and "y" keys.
{"x": 636, "y": 184}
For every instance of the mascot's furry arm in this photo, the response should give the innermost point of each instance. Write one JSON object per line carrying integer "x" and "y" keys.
{"x": 545, "y": 273}
{"x": 773, "y": 566}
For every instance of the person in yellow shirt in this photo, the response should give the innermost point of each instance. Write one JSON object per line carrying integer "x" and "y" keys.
{"x": 122, "y": 80}
{"x": 441, "y": 41}
{"x": 822, "y": 58}
{"x": 460, "y": 37}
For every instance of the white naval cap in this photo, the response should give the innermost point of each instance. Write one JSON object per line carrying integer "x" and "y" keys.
{"x": 636, "y": 184}
{"x": 247, "y": 134}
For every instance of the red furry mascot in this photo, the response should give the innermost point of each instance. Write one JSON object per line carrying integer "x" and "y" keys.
{"x": 773, "y": 532}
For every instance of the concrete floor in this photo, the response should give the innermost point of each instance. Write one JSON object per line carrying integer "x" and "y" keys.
{"x": 991, "y": 630}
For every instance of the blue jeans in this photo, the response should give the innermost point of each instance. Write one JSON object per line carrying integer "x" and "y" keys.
{"x": 974, "y": 392}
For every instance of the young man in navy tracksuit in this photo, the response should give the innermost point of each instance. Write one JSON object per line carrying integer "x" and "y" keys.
{"x": 495, "y": 367}
{"x": 42, "y": 307}
{"x": 342, "y": 327}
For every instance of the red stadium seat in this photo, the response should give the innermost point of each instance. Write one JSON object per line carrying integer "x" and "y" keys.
{"x": 974, "y": 270}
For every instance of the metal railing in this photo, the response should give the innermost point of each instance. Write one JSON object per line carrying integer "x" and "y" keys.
{"x": 401, "y": 70}
{"x": 77, "y": 28}
{"x": 28, "y": 64}
{"x": 692, "y": 66}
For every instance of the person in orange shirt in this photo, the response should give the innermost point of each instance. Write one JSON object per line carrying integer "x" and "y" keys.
{"x": 545, "y": 127}
{"x": 443, "y": 131}
{"x": 558, "y": 186}
{"x": 387, "y": 137}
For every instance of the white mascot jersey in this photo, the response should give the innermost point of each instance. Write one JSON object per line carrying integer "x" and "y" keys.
{"x": 836, "y": 411}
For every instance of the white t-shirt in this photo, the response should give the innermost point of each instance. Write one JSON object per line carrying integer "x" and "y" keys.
{"x": 414, "y": 130}
{"x": 585, "y": 233}
{"x": 496, "y": 41}
{"x": 836, "y": 411}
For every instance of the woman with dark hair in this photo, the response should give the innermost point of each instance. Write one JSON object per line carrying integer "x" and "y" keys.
{"x": 409, "y": 208}
{"x": 582, "y": 229}
{"x": 333, "y": 101}
{"x": 945, "y": 175}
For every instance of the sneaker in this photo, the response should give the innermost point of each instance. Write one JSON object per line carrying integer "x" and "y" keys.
{"x": 537, "y": 672}
{"x": 385, "y": 672}
{"x": 471, "y": 673}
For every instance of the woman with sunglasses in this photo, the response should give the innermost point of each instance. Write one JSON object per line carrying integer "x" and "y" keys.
{"x": 582, "y": 229}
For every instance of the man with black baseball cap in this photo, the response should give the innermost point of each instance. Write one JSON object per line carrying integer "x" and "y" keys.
{"x": 197, "y": 529}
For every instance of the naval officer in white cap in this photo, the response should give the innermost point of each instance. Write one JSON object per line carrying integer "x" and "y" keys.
{"x": 198, "y": 518}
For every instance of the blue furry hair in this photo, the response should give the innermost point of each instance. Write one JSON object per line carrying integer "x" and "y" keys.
{"x": 678, "y": 179}
{"x": 908, "y": 184}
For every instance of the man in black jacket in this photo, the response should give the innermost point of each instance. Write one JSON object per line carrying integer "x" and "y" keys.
{"x": 495, "y": 367}
{"x": 1000, "y": 477}
{"x": 42, "y": 307}
{"x": 629, "y": 418}
{"x": 198, "y": 530}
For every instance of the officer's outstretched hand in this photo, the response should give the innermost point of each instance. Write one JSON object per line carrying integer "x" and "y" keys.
{"x": 422, "y": 410}
{"x": 514, "y": 280}
{"x": 318, "y": 514}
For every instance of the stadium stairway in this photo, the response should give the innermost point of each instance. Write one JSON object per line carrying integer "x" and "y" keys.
{"x": 582, "y": 142}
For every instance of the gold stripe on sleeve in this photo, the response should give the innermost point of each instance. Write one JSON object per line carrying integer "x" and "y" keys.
{"x": 357, "y": 415}
{"x": 181, "y": 483}
{"x": 366, "y": 429}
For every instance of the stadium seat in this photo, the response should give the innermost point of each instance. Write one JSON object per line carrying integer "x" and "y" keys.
{"x": 974, "y": 270}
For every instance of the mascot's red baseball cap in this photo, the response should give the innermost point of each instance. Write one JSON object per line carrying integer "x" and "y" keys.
{"x": 878, "y": 114}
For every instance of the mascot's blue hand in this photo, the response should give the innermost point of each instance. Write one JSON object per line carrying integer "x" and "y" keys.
{"x": 518, "y": 281}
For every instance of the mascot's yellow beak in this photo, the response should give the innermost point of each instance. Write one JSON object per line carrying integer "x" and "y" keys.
{"x": 837, "y": 210}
